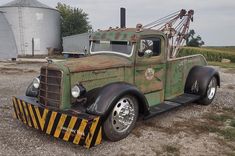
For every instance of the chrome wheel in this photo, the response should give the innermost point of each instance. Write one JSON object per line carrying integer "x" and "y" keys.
{"x": 123, "y": 115}
{"x": 211, "y": 88}
{"x": 122, "y": 118}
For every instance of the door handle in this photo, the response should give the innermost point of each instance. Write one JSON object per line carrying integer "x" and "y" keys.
{"x": 98, "y": 72}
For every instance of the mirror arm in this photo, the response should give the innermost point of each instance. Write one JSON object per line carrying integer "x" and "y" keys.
{"x": 140, "y": 54}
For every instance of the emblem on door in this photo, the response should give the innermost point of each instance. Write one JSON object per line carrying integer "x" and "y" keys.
{"x": 149, "y": 74}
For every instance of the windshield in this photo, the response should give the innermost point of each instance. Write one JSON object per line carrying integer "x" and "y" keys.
{"x": 118, "y": 47}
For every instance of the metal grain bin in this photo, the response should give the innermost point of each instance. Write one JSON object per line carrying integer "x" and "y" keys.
{"x": 8, "y": 47}
{"x": 35, "y": 26}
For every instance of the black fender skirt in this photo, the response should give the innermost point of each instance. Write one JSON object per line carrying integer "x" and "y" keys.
{"x": 199, "y": 78}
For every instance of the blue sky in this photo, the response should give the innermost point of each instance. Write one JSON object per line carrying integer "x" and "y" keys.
{"x": 214, "y": 20}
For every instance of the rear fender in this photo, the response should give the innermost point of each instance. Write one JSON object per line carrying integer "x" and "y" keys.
{"x": 199, "y": 78}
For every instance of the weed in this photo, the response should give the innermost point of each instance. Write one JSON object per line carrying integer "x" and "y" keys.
{"x": 230, "y": 110}
{"x": 224, "y": 65}
{"x": 137, "y": 132}
{"x": 207, "y": 128}
{"x": 230, "y": 154}
{"x": 228, "y": 133}
{"x": 172, "y": 150}
{"x": 232, "y": 123}
{"x": 221, "y": 118}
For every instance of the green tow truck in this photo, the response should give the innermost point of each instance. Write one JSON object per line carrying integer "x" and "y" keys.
{"x": 128, "y": 73}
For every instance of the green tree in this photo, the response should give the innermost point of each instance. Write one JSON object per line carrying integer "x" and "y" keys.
{"x": 193, "y": 41}
{"x": 73, "y": 20}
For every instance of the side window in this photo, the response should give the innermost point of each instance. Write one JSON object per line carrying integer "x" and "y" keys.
{"x": 150, "y": 46}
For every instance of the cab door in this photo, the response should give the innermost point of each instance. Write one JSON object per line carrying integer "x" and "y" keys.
{"x": 150, "y": 68}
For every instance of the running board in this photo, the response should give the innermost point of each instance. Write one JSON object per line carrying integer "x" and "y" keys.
{"x": 172, "y": 104}
{"x": 185, "y": 98}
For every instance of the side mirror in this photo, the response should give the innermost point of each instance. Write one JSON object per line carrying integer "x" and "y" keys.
{"x": 148, "y": 53}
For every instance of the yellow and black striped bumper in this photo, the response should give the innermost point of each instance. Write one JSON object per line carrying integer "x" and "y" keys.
{"x": 79, "y": 128}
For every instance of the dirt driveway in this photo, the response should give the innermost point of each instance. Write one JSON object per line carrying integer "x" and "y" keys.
{"x": 191, "y": 130}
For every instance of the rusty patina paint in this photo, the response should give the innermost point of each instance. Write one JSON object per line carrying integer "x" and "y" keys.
{"x": 96, "y": 62}
{"x": 177, "y": 72}
{"x": 124, "y": 37}
{"x": 117, "y": 36}
{"x": 91, "y": 80}
{"x": 129, "y": 34}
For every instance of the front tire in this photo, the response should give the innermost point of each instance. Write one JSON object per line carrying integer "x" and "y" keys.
{"x": 210, "y": 92}
{"x": 121, "y": 119}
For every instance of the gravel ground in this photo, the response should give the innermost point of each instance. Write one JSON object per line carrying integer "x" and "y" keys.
{"x": 179, "y": 132}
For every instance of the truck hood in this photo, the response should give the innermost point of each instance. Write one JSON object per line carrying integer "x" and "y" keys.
{"x": 96, "y": 62}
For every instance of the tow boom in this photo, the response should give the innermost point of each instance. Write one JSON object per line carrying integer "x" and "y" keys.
{"x": 176, "y": 27}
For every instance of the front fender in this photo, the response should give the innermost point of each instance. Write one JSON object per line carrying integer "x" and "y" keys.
{"x": 110, "y": 94}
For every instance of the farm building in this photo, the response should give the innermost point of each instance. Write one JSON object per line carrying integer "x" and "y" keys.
{"x": 76, "y": 43}
{"x": 33, "y": 28}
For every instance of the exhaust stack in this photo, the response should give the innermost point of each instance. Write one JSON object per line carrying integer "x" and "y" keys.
{"x": 123, "y": 17}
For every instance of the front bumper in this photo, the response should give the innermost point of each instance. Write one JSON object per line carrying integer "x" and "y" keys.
{"x": 71, "y": 126}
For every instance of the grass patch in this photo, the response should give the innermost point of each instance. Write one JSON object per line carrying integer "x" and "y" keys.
{"x": 223, "y": 65}
{"x": 230, "y": 154}
{"x": 221, "y": 118}
{"x": 172, "y": 150}
{"x": 229, "y": 110}
{"x": 228, "y": 134}
{"x": 207, "y": 128}
{"x": 232, "y": 123}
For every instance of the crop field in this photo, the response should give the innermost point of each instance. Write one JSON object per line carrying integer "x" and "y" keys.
{"x": 226, "y": 48}
{"x": 213, "y": 54}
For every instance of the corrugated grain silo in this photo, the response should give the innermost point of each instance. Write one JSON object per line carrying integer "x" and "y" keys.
{"x": 8, "y": 48}
{"x": 35, "y": 26}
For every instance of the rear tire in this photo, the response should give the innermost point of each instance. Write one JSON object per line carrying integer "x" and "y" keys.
{"x": 210, "y": 92}
{"x": 121, "y": 119}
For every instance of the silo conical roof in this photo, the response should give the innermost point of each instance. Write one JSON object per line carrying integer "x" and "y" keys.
{"x": 26, "y": 3}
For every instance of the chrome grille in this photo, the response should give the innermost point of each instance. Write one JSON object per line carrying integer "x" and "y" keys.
{"x": 50, "y": 87}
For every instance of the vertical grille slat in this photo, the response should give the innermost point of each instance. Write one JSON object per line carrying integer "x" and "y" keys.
{"x": 50, "y": 87}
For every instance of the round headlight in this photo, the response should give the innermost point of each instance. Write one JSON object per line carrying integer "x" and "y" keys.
{"x": 76, "y": 91}
{"x": 36, "y": 83}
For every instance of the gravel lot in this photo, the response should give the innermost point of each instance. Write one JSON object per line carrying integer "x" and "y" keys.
{"x": 189, "y": 130}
